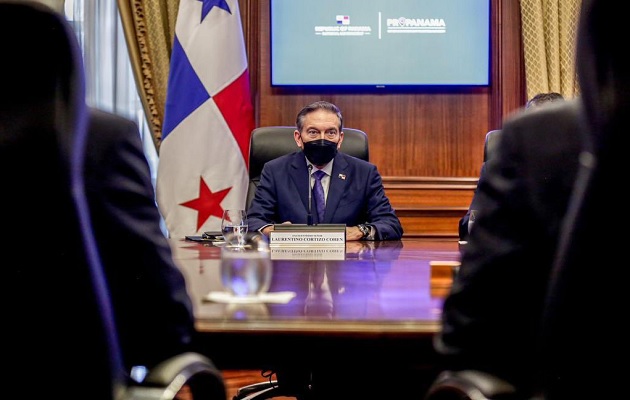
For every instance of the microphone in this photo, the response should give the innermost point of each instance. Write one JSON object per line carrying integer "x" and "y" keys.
{"x": 309, "y": 216}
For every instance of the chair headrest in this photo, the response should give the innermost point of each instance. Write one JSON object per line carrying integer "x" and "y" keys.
{"x": 270, "y": 142}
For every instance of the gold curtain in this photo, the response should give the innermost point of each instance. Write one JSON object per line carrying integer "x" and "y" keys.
{"x": 549, "y": 29}
{"x": 149, "y": 27}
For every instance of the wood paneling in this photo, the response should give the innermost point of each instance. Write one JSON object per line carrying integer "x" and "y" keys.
{"x": 427, "y": 144}
{"x": 428, "y": 206}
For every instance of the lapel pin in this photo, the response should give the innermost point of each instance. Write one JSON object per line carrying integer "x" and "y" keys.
{"x": 342, "y": 176}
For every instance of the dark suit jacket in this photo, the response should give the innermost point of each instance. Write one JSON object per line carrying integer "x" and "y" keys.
{"x": 491, "y": 317}
{"x": 355, "y": 195}
{"x": 581, "y": 359}
{"x": 152, "y": 308}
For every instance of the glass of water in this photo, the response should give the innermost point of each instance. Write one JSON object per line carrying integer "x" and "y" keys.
{"x": 246, "y": 271}
{"x": 234, "y": 227}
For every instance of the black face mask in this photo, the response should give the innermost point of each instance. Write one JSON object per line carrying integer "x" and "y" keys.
{"x": 320, "y": 151}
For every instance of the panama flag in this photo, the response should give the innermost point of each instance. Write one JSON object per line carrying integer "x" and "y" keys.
{"x": 208, "y": 119}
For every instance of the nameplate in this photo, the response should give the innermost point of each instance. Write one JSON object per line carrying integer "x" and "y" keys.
{"x": 308, "y": 235}
{"x": 308, "y": 253}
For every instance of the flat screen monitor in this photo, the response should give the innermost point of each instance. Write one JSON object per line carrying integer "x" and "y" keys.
{"x": 380, "y": 43}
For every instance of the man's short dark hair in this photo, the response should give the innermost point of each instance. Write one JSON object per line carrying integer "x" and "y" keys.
{"x": 318, "y": 105}
{"x": 543, "y": 98}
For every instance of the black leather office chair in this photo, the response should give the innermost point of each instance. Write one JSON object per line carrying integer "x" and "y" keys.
{"x": 490, "y": 143}
{"x": 59, "y": 331}
{"x": 270, "y": 142}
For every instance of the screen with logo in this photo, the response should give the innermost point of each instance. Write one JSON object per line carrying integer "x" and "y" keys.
{"x": 380, "y": 43}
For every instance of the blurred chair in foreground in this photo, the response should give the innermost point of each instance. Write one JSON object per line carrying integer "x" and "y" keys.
{"x": 61, "y": 327}
{"x": 560, "y": 354}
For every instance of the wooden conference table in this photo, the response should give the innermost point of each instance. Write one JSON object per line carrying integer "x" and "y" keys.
{"x": 375, "y": 312}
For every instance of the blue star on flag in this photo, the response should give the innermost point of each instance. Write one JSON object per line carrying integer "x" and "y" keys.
{"x": 208, "y": 4}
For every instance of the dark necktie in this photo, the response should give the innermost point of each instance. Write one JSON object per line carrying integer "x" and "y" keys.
{"x": 318, "y": 195}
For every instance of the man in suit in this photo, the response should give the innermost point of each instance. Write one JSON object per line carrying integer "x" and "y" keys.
{"x": 353, "y": 188}
{"x": 581, "y": 360}
{"x": 539, "y": 304}
{"x": 151, "y": 305}
{"x": 54, "y": 313}
{"x": 492, "y": 315}
{"x": 535, "y": 103}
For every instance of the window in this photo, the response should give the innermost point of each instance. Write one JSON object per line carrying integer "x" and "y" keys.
{"x": 110, "y": 84}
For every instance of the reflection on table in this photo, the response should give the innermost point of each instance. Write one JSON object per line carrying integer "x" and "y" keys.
{"x": 372, "y": 288}
{"x": 369, "y": 313}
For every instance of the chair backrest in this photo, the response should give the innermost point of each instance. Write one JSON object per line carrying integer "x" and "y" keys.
{"x": 270, "y": 142}
{"x": 490, "y": 143}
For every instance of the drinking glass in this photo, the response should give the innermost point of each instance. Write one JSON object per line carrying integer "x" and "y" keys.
{"x": 234, "y": 227}
{"x": 246, "y": 271}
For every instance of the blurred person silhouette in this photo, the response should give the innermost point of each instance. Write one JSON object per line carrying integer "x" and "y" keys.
{"x": 153, "y": 312}
{"x": 49, "y": 309}
{"x": 535, "y": 103}
{"x": 151, "y": 303}
{"x": 533, "y": 277}
{"x": 583, "y": 284}
{"x": 47, "y": 251}
{"x": 353, "y": 192}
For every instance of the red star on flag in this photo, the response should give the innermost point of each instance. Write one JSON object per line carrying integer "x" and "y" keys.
{"x": 207, "y": 204}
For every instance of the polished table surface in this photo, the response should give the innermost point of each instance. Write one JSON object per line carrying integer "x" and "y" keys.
{"x": 363, "y": 321}
{"x": 376, "y": 288}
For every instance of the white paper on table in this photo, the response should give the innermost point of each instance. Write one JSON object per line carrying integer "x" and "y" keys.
{"x": 226, "y": 297}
